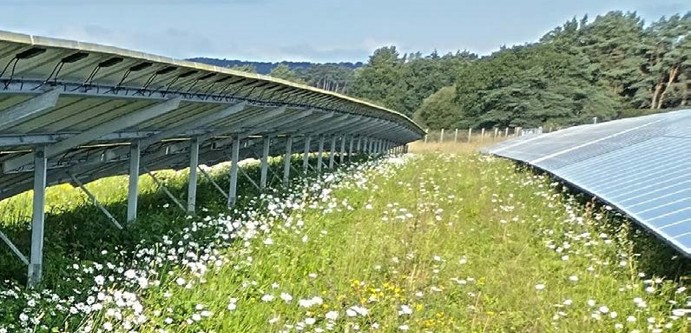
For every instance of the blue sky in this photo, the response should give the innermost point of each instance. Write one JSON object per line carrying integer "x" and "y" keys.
{"x": 312, "y": 30}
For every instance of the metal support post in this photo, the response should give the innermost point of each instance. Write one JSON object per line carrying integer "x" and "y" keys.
{"x": 455, "y": 136}
{"x": 441, "y": 136}
{"x": 320, "y": 153}
{"x": 38, "y": 216}
{"x": 233, "y": 186}
{"x": 306, "y": 154}
{"x": 133, "y": 187}
{"x": 341, "y": 157}
{"x": 350, "y": 148}
{"x": 192, "y": 184}
{"x": 95, "y": 201}
{"x": 359, "y": 144}
{"x": 286, "y": 160}
{"x": 470, "y": 134}
{"x": 264, "y": 163}
{"x": 332, "y": 152}
{"x": 364, "y": 146}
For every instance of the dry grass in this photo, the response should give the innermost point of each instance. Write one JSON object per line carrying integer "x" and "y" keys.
{"x": 448, "y": 147}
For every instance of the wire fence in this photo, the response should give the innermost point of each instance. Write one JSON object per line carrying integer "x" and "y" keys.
{"x": 480, "y": 134}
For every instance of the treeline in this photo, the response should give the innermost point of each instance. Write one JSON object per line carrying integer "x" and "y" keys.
{"x": 329, "y": 76}
{"x": 610, "y": 67}
{"x": 606, "y": 68}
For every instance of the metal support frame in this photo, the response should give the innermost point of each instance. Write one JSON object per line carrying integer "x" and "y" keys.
{"x": 163, "y": 187}
{"x": 212, "y": 181}
{"x": 306, "y": 154}
{"x": 365, "y": 146}
{"x": 29, "y": 109}
{"x": 233, "y": 184}
{"x": 35, "y": 271}
{"x": 264, "y": 163}
{"x": 286, "y": 160}
{"x": 133, "y": 187}
{"x": 14, "y": 249}
{"x": 96, "y": 202}
{"x": 350, "y": 148}
{"x": 94, "y": 133}
{"x": 359, "y": 144}
{"x": 192, "y": 183}
{"x": 332, "y": 152}
{"x": 244, "y": 173}
{"x": 341, "y": 156}
{"x": 193, "y": 123}
{"x": 320, "y": 152}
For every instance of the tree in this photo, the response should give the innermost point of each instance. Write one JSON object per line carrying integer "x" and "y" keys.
{"x": 439, "y": 110}
{"x": 282, "y": 71}
{"x": 245, "y": 68}
{"x": 380, "y": 79}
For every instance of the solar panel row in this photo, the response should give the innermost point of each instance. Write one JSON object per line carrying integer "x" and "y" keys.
{"x": 75, "y": 112}
{"x": 640, "y": 165}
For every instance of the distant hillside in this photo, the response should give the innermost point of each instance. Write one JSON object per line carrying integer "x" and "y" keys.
{"x": 267, "y": 67}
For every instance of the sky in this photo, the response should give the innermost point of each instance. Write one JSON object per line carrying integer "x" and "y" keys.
{"x": 307, "y": 30}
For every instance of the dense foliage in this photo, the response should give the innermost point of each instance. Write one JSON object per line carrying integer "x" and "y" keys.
{"x": 611, "y": 67}
{"x": 580, "y": 70}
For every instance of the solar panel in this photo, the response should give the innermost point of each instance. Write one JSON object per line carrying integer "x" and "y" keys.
{"x": 75, "y": 112}
{"x": 640, "y": 165}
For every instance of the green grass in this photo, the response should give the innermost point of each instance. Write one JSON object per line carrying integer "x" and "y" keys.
{"x": 441, "y": 243}
{"x": 469, "y": 257}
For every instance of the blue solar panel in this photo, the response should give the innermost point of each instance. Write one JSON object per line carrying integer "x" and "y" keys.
{"x": 640, "y": 165}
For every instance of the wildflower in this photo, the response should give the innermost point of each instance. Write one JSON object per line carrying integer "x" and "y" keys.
{"x": 403, "y": 328}
{"x": 331, "y": 315}
{"x": 540, "y": 286}
{"x": 267, "y": 298}
{"x": 286, "y": 297}
{"x": 405, "y": 310}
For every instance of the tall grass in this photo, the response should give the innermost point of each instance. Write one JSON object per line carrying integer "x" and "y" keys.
{"x": 433, "y": 242}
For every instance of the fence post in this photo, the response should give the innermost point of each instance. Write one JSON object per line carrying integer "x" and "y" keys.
{"x": 455, "y": 136}
{"x": 496, "y": 132}
{"x": 441, "y": 136}
{"x": 426, "y": 131}
{"x": 470, "y": 133}
{"x": 506, "y": 134}
{"x": 482, "y": 135}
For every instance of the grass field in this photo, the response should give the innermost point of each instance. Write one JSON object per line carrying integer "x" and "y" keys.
{"x": 443, "y": 240}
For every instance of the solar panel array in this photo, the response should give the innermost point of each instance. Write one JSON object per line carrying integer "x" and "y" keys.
{"x": 87, "y": 102}
{"x": 75, "y": 112}
{"x": 640, "y": 165}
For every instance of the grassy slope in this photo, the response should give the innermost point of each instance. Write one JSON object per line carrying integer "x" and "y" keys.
{"x": 462, "y": 241}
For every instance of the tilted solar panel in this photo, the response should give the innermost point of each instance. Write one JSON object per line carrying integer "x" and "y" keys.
{"x": 640, "y": 165}
{"x": 75, "y": 112}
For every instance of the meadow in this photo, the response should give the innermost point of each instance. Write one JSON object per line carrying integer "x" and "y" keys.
{"x": 439, "y": 240}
